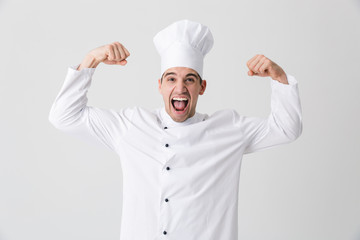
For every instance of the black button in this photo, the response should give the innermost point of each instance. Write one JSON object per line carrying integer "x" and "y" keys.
{"x": 164, "y": 232}
{"x": 166, "y": 200}
{"x": 165, "y": 127}
{"x": 168, "y": 168}
{"x": 166, "y": 145}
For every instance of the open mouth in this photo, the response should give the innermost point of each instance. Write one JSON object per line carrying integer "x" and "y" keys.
{"x": 179, "y": 103}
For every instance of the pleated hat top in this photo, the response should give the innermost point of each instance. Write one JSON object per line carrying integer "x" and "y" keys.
{"x": 183, "y": 44}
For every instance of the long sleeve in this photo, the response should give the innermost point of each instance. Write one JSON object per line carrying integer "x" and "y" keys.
{"x": 70, "y": 112}
{"x": 283, "y": 125}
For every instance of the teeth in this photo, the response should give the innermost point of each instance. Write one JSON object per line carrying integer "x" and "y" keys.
{"x": 179, "y": 99}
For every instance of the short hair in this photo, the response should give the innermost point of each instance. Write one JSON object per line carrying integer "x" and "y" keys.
{"x": 196, "y": 74}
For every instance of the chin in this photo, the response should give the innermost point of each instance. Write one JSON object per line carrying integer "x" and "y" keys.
{"x": 179, "y": 118}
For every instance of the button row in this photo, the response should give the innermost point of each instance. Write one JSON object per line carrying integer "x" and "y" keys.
{"x": 166, "y": 200}
{"x": 167, "y": 168}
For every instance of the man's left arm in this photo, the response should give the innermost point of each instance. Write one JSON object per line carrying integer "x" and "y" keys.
{"x": 262, "y": 66}
{"x": 284, "y": 123}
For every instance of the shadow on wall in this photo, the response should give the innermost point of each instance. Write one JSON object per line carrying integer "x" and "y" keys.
{"x": 1, "y": 236}
{"x": 357, "y": 233}
{"x": 357, "y": 237}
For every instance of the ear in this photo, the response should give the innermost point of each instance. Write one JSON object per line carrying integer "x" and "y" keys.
{"x": 159, "y": 81}
{"x": 203, "y": 87}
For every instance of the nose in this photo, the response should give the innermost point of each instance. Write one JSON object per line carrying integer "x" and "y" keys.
{"x": 180, "y": 86}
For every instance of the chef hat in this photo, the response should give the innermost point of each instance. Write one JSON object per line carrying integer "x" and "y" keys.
{"x": 183, "y": 44}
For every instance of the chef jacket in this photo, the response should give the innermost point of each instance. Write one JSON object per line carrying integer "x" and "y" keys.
{"x": 180, "y": 179}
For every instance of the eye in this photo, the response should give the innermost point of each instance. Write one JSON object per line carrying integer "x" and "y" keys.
{"x": 190, "y": 80}
{"x": 171, "y": 79}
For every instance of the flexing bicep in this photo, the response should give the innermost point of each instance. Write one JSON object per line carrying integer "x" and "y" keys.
{"x": 267, "y": 133}
{"x": 71, "y": 114}
{"x": 284, "y": 123}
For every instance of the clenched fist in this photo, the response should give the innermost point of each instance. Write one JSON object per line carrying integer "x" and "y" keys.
{"x": 114, "y": 53}
{"x": 261, "y": 66}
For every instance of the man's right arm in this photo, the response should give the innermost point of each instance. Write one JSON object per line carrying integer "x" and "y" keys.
{"x": 114, "y": 53}
{"x": 70, "y": 112}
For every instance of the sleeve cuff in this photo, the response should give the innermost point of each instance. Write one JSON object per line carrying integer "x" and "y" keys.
{"x": 291, "y": 80}
{"x": 87, "y": 71}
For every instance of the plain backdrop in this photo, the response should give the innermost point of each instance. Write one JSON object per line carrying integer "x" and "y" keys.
{"x": 54, "y": 186}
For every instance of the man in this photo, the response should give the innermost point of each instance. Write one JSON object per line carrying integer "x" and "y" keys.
{"x": 180, "y": 167}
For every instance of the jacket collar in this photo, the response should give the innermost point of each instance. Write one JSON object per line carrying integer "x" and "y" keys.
{"x": 167, "y": 121}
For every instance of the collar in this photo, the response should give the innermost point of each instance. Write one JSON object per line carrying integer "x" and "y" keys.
{"x": 167, "y": 121}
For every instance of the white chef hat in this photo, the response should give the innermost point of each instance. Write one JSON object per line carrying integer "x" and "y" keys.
{"x": 183, "y": 44}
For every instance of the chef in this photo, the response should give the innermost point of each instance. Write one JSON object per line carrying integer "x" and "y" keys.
{"x": 180, "y": 167}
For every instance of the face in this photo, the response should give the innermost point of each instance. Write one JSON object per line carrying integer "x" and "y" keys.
{"x": 180, "y": 88}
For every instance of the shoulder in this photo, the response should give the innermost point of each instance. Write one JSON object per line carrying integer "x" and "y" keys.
{"x": 131, "y": 110}
{"x": 224, "y": 116}
{"x": 140, "y": 114}
{"x": 122, "y": 114}
{"x": 232, "y": 118}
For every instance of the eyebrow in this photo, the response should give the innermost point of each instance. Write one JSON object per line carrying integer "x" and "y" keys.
{"x": 192, "y": 74}
{"x": 187, "y": 75}
{"x": 169, "y": 73}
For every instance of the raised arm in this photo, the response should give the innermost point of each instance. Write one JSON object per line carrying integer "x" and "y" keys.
{"x": 284, "y": 123}
{"x": 262, "y": 66}
{"x": 114, "y": 53}
{"x": 70, "y": 112}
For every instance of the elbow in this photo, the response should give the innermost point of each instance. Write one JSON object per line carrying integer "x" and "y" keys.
{"x": 288, "y": 128}
{"x": 54, "y": 120}
{"x": 300, "y": 128}
{"x": 62, "y": 121}
{"x": 294, "y": 132}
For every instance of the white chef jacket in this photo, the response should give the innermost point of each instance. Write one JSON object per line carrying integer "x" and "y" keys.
{"x": 180, "y": 179}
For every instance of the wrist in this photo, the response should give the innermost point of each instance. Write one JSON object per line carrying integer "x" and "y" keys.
{"x": 282, "y": 79}
{"x": 88, "y": 62}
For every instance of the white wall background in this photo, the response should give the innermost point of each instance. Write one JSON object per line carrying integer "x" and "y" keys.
{"x": 53, "y": 186}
